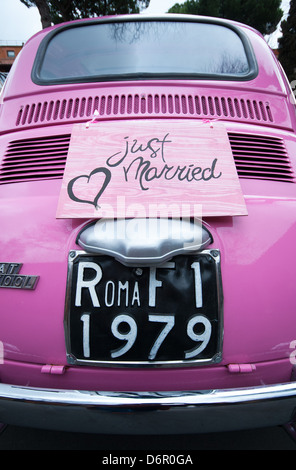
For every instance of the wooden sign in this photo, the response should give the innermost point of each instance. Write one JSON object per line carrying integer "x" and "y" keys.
{"x": 136, "y": 168}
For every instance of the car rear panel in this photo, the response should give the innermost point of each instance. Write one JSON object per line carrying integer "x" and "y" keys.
{"x": 257, "y": 251}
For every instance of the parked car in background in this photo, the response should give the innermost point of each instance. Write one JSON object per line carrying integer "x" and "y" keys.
{"x": 148, "y": 223}
{"x": 3, "y": 76}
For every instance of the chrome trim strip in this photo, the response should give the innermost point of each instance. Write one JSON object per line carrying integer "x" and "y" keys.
{"x": 148, "y": 412}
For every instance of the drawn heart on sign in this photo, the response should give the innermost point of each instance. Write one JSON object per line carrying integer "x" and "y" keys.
{"x": 88, "y": 185}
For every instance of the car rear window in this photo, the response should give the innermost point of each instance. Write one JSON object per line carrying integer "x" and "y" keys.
{"x": 142, "y": 49}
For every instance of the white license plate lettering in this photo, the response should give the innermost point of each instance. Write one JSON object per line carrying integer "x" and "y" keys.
{"x": 131, "y": 332}
{"x": 169, "y": 321}
{"x": 130, "y": 336}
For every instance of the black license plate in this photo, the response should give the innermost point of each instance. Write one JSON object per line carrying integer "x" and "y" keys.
{"x": 169, "y": 314}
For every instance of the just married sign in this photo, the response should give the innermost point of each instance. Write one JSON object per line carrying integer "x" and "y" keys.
{"x": 136, "y": 168}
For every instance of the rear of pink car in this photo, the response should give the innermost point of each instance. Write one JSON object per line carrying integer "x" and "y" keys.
{"x": 135, "y": 332}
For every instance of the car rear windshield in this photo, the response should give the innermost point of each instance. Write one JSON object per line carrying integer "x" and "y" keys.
{"x": 142, "y": 49}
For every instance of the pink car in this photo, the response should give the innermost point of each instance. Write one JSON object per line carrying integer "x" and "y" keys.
{"x": 148, "y": 213}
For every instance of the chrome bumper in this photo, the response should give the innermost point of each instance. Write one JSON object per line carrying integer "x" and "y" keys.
{"x": 148, "y": 412}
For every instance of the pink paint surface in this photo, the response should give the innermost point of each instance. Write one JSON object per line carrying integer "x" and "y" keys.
{"x": 124, "y": 169}
{"x": 257, "y": 255}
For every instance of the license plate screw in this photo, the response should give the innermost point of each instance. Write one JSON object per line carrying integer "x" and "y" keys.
{"x": 138, "y": 271}
{"x": 215, "y": 253}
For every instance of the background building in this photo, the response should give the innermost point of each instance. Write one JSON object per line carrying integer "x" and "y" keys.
{"x": 8, "y": 53}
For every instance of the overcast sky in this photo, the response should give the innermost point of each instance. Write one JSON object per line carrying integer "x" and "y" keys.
{"x": 19, "y": 23}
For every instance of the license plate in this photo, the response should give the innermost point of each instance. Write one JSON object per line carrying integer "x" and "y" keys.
{"x": 169, "y": 314}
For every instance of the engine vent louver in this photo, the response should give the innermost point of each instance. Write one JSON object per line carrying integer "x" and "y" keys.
{"x": 255, "y": 156}
{"x": 35, "y": 159}
{"x": 261, "y": 157}
{"x": 145, "y": 104}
